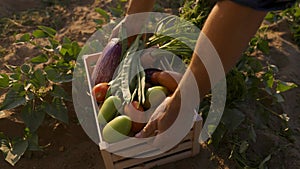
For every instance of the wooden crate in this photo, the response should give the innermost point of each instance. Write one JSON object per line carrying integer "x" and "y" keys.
{"x": 188, "y": 147}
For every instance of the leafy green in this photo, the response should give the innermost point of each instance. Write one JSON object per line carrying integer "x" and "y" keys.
{"x": 32, "y": 117}
{"x": 130, "y": 68}
{"x": 233, "y": 118}
{"x": 57, "y": 109}
{"x": 4, "y": 80}
{"x": 39, "y": 34}
{"x": 103, "y": 13}
{"x": 14, "y": 98}
{"x": 59, "y": 92}
{"x": 38, "y": 79}
{"x": 24, "y": 38}
{"x": 47, "y": 30}
{"x": 25, "y": 68}
{"x": 39, "y": 59}
{"x": 284, "y": 86}
{"x": 14, "y": 153}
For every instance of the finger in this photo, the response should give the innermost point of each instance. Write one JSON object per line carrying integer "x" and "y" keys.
{"x": 148, "y": 130}
{"x": 159, "y": 110}
{"x": 151, "y": 127}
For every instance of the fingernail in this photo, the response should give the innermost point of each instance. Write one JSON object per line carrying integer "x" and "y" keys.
{"x": 138, "y": 135}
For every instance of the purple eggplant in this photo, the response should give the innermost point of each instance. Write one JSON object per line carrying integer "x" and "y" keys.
{"x": 149, "y": 72}
{"x": 108, "y": 62}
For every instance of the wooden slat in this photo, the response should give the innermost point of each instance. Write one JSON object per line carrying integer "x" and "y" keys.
{"x": 140, "y": 150}
{"x": 90, "y": 60}
{"x": 166, "y": 160}
{"x": 107, "y": 158}
{"x": 136, "y": 161}
{"x": 196, "y": 134}
{"x": 127, "y": 143}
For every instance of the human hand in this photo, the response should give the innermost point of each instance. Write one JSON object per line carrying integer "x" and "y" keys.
{"x": 132, "y": 25}
{"x": 162, "y": 118}
{"x": 173, "y": 118}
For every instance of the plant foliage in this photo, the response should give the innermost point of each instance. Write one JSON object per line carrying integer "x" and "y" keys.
{"x": 36, "y": 88}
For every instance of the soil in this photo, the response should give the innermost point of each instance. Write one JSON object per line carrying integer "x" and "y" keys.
{"x": 67, "y": 146}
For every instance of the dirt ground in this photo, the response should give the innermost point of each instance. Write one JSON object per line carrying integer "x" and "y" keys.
{"x": 67, "y": 146}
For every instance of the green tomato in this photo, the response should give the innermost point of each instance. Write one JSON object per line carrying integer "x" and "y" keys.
{"x": 109, "y": 109}
{"x": 155, "y": 96}
{"x": 117, "y": 129}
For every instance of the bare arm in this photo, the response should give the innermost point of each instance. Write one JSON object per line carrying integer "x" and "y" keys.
{"x": 229, "y": 27}
{"x": 133, "y": 23}
{"x": 137, "y": 6}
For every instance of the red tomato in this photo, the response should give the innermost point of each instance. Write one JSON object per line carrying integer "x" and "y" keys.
{"x": 99, "y": 91}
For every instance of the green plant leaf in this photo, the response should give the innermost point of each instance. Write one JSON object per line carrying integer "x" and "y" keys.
{"x": 4, "y": 80}
{"x": 66, "y": 48}
{"x": 278, "y": 97}
{"x": 52, "y": 74}
{"x": 243, "y": 147}
{"x": 262, "y": 164}
{"x": 269, "y": 80}
{"x": 252, "y": 134}
{"x": 39, "y": 59}
{"x": 24, "y": 38}
{"x": 218, "y": 134}
{"x": 232, "y": 118}
{"x": 33, "y": 142}
{"x": 116, "y": 12}
{"x": 49, "y": 31}
{"x": 54, "y": 43}
{"x": 38, "y": 79}
{"x": 39, "y": 34}
{"x": 262, "y": 117}
{"x": 76, "y": 49}
{"x": 59, "y": 92}
{"x": 4, "y": 144}
{"x": 99, "y": 21}
{"x": 33, "y": 118}
{"x": 25, "y": 68}
{"x": 66, "y": 40}
{"x": 15, "y": 153}
{"x": 270, "y": 17}
{"x": 103, "y": 13}
{"x": 15, "y": 76}
{"x": 14, "y": 98}
{"x": 284, "y": 86}
{"x": 57, "y": 109}
{"x": 263, "y": 45}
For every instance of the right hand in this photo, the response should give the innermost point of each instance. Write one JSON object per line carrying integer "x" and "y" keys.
{"x": 162, "y": 118}
{"x": 132, "y": 24}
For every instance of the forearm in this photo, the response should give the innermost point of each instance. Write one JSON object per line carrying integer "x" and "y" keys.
{"x": 229, "y": 28}
{"x": 138, "y": 6}
{"x": 135, "y": 18}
